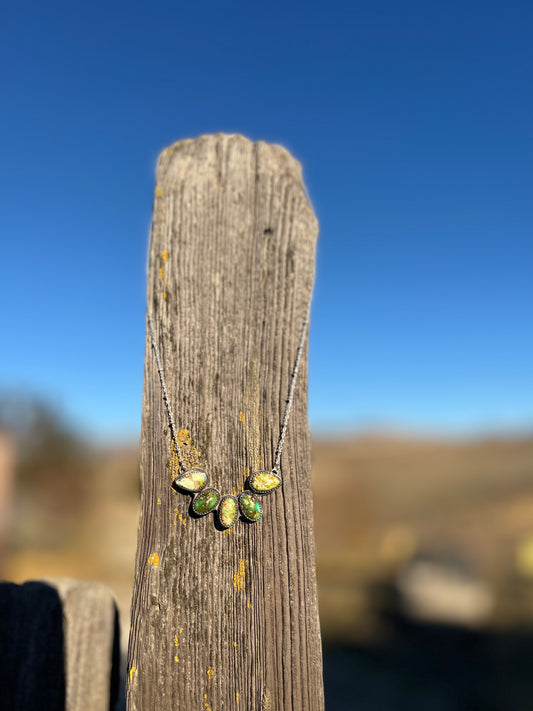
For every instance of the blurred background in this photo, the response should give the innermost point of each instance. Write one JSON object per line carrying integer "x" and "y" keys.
{"x": 413, "y": 125}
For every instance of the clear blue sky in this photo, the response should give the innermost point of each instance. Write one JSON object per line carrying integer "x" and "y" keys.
{"x": 414, "y": 125}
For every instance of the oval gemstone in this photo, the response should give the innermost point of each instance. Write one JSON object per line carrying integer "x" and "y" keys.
{"x": 205, "y": 502}
{"x": 264, "y": 482}
{"x": 192, "y": 481}
{"x": 227, "y": 511}
{"x": 249, "y": 506}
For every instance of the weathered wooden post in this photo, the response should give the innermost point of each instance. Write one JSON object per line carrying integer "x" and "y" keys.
{"x": 226, "y": 619}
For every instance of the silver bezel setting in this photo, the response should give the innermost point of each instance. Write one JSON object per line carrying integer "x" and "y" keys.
{"x": 253, "y": 495}
{"x": 201, "y": 493}
{"x": 238, "y": 510}
{"x": 176, "y": 482}
{"x": 263, "y": 493}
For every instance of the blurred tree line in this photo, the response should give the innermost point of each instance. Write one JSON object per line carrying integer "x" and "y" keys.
{"x": 53, "y": 467}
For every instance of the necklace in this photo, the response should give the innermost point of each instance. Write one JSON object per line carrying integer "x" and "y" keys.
{"x": 194, "y": 481}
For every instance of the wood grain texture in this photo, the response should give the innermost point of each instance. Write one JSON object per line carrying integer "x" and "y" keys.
{"x": 91, "y": 644}
{"x": 226, "y": 620}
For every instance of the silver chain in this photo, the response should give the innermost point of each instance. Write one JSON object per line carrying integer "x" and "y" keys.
{"x": 292, "y": 387}
{"x": 165, "y": 395}
{"x": 288, "y": 401}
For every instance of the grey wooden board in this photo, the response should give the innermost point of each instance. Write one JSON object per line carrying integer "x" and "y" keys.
{"x": 91, "y": 638}
{"x": 226, "y": 620}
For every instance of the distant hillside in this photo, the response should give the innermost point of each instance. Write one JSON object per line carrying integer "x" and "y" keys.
{"x": 382, "y": 501}
{"x": 379, "y": 502}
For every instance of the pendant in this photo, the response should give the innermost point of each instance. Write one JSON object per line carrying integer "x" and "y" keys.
{"x": 205, "y": 502}
{"x": 227, "y": 511}
{"x": 264, "y": 482}
{"x": 249, "y": 506}
{"x": 191, "y": 481}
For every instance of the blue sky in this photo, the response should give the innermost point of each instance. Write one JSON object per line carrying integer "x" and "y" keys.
{"x": 413, "y": 122}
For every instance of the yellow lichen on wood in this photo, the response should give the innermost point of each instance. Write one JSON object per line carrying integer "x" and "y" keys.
{"x": 162, "y": 274}
{"x": 210, "y": 674}
{"x": 179, "y": 517}
{"x": 176, "y": 641}
{"x": 189, "y": 454}
{"x": 159, "y": 502}
{"x": 241, "y": 416}
{"x": 249, "y": 605}
{"x": 164, "y": 256}
{"x": 176, "y": 659}
{"x": 158, "y": 191}
{"x": 153, "y": 560}
{"x": 132, "y": 672}
{"x": 184, "y": 440}
{"x": 235, "y": 645}
{"x": 237, "y": 697}
{"x": 165, "y": 294}
{"x": 173, "y": 462}
{"x": 238, "y": 578}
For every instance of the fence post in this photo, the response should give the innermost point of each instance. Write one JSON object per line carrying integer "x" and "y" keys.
{"x": 226, "y": 619}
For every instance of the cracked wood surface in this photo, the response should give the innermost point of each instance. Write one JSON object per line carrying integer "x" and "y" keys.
{"x": 226, "y": 619}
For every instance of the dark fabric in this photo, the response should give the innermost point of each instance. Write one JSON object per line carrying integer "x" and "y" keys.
{"x": 32, "y": 669}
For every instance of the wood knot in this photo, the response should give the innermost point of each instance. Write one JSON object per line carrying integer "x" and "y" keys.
{"x": 266, "y": 699}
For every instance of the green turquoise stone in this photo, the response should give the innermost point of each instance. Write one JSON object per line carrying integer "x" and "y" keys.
{"x": 264, "y": 482}
{"x": 192, "y": 481}
{"x": 250, "y": 507}
{"x": 227, "y": 511}
{"x": 205, "y": 502}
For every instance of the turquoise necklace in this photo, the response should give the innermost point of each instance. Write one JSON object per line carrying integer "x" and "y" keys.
{"x": 259, "y": 483}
